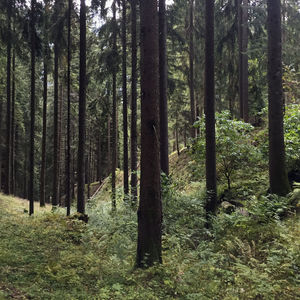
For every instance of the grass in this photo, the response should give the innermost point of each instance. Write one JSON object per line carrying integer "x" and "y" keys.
{"x": 50, "y": 256}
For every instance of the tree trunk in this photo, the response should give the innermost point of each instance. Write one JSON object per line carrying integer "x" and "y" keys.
{"x": 32, "y": 110}
{"x": 133, "y": 103}
{"x": 82, "y": 110}
{"x": 114, "y": 114}
{"x": 109, "y": 167}
{"x": 44, "y": 136}
{"x": 163, "y": 104}
{"x": 25, "y": 183}
{"x": 243, "y": 58}
{"x": 55, "y": 193}
{"x": 211, "y": 185}
{"x": 13, "y": 100}
{"x": 277, "y": 169}
{"x": 150, "y": 208}
{"x": 177, "y": 139}
{"x": 8, "y": 107}
{"x": 124, "y": 92}
{"x": 191, "y": 69}
{"x": 68, "y": 158}
{"x": 1, "y": 115}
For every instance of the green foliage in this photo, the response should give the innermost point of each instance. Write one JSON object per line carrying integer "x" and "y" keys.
{"x": 291, "y": 132}
{"x": 234, "y": 149}
{"x": 292, "y": 136}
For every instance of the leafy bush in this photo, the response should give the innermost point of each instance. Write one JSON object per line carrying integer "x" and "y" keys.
{"x": 233, "y": 145}
{"x": 292, "y": 136}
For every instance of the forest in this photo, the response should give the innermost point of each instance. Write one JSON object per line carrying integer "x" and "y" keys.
{"x": 152, "y": 151}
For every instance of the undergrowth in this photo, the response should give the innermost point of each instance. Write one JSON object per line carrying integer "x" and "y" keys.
{"x": 251, "y": 253}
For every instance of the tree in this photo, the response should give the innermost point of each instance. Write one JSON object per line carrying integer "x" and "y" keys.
{"x": 277, "y": 168}
{"x": 133, "y": 135}
{"x": 8, "y": 102}
{"x": 114, "y": 112}
{"x": 163, "y": 104}
{"x": 191, "y": 67}
{"x": 45, "y": 99}
{"x": 124, "y": 93}
{"x": 82, "y": 111}
{"x": 243, "y": 58}
{"x": 55, "y": 191}
{"x": 211, "y": 182}
{"x": 68, "y": 161}
{"x": 32, "y": 109}
{"x": 150, "y": 208}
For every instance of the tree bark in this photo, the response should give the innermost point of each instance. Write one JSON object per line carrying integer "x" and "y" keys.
{"x": 114, "y": 114}
{"x": 133, "y": 103}
{"x": 32, "y": 110}
{"x": 1, "y": 114}
{"x": 163, "y": 102}
{"x": 191, "y": 69}
{"x": 243, "y": 58}
{"x": 82, "y": 111}
{"x": 150, "y": 208}
{"x": 277, "y": 169}
{"x": 55, "y": 192}
{"x": 124, "y": 92}
{"x": 44, "y": 136}
{"x": 68, "y": 160}
{"x": 13, "y": 100}
{"x": 211, "y": 185}
{"x": 8, "y": 103}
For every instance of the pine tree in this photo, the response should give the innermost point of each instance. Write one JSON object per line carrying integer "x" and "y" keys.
{"x": 124, "y": 94}
{"x": 163, "y": 104}
{"x": 277, "y": 169}
{"x": 82, "y": 112}
{"x": 150, "y": 208}
{"x": 32, "y": 109}
{"x": 133, "y": 135}
{"x": 8, "y": 102}
{"x": 68, "y": 160}
{"x": 114, "y": 112}
{"x": 211, "y": 185}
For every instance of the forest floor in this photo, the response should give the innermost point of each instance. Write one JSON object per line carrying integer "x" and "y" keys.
{"x": 252, "y": 256}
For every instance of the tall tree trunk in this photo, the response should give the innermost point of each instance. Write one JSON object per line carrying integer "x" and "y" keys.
{"x": 124, "y": 92}
{"x": 32, "y": 110}
{"x": 82, "y": 110}
{"x": 25, "y": 183}
{"x": 177, "y": 139}
{"x": 133, "y": 103}
{"x": 150, "y": 208}
{"x": 109, "y": 167}
{"x": 211, "y": 185}
{"x": 99, "y": 160}
{"x": 60, "y": 144}
{"x": 163, "y": 102}
{"x": 1, "y": 114}
{"x": 68, "y": 159}
{"x": 55, "y": 195}
{"x": 13, "y": 100}
{"x": 8, "y": 106}
{"x": 277, "y": 168}
{"x": 191, "y": 69}
{"x": 114, "y": 114}
{"x": 243, "y": 58}
{"x": 44, "y": 135}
